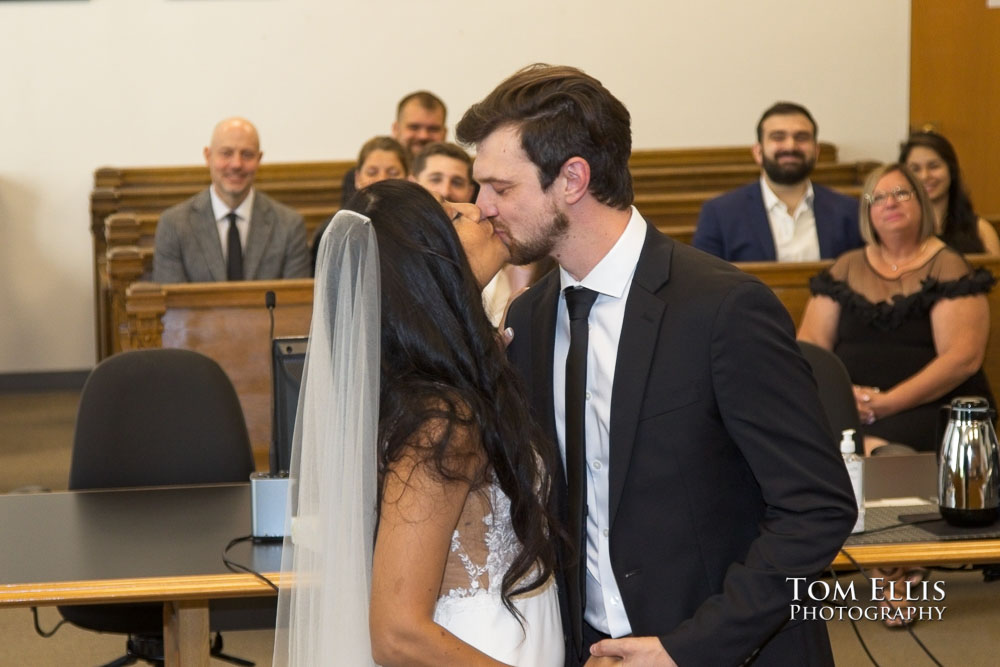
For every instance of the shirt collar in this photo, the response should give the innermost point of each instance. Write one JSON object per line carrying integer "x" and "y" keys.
{"x": 613, "y": 273}
{"x": 771, "y": 200}
{"x": 220, "y": 209}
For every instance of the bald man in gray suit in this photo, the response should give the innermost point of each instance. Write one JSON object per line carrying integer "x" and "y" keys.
{"x": 194, "y": 240}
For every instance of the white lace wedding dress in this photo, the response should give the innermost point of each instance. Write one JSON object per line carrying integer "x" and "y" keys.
{"x": 470, "y": 607}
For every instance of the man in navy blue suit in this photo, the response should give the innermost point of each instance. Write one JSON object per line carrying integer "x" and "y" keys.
{"x": 784, "y": 216}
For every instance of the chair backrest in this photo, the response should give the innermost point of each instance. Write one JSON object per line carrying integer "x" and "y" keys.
{"x": 159, "y": 417}
{"x": 835, "y": 389}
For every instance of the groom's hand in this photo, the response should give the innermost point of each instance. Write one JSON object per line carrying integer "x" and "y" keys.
{"x": 634, "y": 652}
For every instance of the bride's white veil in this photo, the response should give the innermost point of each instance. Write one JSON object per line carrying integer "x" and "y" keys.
{"x": 326, "y": 561}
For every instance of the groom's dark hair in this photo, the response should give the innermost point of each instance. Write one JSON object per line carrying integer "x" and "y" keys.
{"x": 560, "y": 112}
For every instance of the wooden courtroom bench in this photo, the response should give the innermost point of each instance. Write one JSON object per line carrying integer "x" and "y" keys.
{"x": 129, "y": 258}
{"x": 152, "y": 189}
{"x": 229, "y": 323}
{"x": 790, "y": 282}
{"x": 313, "y": 188}
{"x": 129, "y": 250}
{"x": 651, "y": 180}
{"x": 689, "y": 157}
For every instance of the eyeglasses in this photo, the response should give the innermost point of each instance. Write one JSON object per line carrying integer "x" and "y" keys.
{"x": 882, "y": 198}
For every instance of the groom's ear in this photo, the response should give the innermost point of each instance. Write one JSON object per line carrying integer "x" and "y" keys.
{"x": 576, "y": 174}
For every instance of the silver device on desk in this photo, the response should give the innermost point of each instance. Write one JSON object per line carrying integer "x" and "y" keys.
{"x": 968, "y": 491}
{"x": 269, "y": 491}
{"x": 268, "y": 500}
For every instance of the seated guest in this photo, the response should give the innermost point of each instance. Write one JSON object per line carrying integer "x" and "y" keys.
{"x": 379, "y": 159}
{"x": 230, "y": 231}
{"x": 906, "y": 314}
{"x": 933, "y": 161}
{"x": 446, "y": 170}
{"x": 784, "y": 216}
{"x": 420, "y": 119}
{"x": 909, "y": 318}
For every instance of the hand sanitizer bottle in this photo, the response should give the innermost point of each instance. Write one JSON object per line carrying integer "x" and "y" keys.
{"x": 856, "y": 471}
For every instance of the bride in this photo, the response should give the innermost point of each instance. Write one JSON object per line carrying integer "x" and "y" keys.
{"x": 419, "y": 509}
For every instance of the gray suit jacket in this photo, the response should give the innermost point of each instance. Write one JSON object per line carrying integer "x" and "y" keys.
{"x": 188, "y": 248}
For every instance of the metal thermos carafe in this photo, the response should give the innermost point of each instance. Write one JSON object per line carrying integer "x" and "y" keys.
{"x": 968, "y": 491}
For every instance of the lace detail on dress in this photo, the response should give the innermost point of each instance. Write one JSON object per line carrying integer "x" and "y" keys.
{"x": 889, "y": 315}
{"x": 485, "y": 551}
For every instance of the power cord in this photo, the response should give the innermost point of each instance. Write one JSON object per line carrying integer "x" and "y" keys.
{"x": 238, "y": 567}
{"x": 908, "y": 627}
{"x": 232, "y": 565}
{"x": 38, "y": 627}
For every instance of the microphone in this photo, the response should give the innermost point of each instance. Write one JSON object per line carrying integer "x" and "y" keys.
{"x": 269, "y": 303}
{"x": 268, "y": 490}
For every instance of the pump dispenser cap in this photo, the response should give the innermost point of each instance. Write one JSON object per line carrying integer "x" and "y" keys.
{"x": 847, "y": 441}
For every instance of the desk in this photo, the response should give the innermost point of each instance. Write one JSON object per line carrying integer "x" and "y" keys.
{"x": 912, "y": 475}
{"x": 134, "y": 545}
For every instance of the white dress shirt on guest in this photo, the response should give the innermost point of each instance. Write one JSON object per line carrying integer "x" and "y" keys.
{"x": 794, "y": 233}
{"x": 611, "y": 278}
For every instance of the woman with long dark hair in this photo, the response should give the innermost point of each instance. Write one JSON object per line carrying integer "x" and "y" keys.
{"x": 461, "y": 568}
{"x": 933, "y": 161}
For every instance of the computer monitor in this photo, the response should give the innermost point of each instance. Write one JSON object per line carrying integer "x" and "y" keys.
{"x": 288, "y": 357}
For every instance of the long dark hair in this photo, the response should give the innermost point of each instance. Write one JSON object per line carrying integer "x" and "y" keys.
{"x": 960, "y": 227}
{"x": 442, "y": 367}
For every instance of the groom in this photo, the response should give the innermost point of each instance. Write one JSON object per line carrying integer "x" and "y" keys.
{"x": 698, "y": 474}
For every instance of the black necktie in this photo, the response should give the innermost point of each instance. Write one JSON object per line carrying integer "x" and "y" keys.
{"x": 578, "y": 303}
{"x": 234, "y": 251}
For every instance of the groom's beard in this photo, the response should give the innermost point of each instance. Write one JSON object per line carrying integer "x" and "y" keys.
{"x": 539, "y": 246}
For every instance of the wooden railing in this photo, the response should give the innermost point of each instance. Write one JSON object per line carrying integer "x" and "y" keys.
{"x": 229, "y": 323}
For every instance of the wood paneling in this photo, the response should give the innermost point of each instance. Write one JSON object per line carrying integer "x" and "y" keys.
{"x": 955, "y": 87}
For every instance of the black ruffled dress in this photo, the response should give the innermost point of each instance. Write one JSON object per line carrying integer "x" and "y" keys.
{"x": 884, "y": 334}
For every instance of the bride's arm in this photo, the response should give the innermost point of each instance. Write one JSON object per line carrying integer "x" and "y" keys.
{"x": 418, "y": 516}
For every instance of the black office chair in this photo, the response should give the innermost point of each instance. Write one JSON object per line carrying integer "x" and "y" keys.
{"x": 836, "y": 392}
{"x": 152, "y": 418}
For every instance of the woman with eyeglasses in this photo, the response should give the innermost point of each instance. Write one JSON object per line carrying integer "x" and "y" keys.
{"x": 908, "y": 316}
{"x": 933, "y": 161}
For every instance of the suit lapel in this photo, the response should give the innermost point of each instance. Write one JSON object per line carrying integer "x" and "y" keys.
{"x": 206, "y": 235}
{"x": 543, "y": 325}
{"x": 824, "y": 232}
{"x": 644, "y": 311}
{"x": 261, "y": 224}
{"x": 759, "y": 224}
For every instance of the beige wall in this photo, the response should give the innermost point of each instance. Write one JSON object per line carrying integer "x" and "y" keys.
{"x": 141, "y": 82}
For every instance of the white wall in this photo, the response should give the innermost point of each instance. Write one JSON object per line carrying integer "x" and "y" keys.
{"x": 141, "y": 82}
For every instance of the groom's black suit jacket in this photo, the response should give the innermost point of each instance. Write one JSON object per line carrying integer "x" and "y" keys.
{"x": 724, "y": 480}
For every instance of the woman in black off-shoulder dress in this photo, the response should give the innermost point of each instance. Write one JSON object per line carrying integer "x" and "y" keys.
{"x": 909, "y": 318}
{"x": 906, "y": 314}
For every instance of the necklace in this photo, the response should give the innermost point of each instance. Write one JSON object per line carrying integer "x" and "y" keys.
{"x": 909, "y": 260}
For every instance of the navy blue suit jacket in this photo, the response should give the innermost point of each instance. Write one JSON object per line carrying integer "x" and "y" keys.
{"x": 734, "y": 225}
